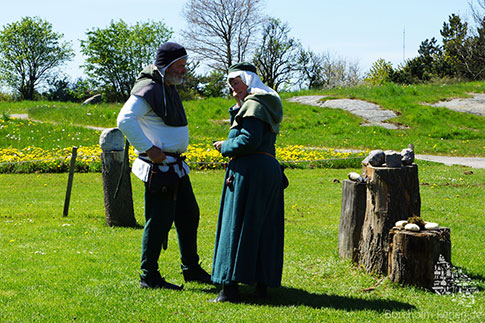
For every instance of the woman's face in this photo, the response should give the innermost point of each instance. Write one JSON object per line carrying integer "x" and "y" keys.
{"x": 239, "y": 88}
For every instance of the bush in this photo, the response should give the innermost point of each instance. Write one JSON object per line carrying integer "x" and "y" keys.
{"x": 6, "y": 97}
{"x": 379, "y": 72}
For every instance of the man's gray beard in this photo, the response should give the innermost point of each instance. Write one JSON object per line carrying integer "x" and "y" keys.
{"x": 174, "y": 79}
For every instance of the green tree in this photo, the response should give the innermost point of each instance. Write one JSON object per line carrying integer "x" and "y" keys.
{"x": 456, "y": 53}
{"x": 429, "y": 51}
{"x": 58, "y": 89}
{"x": 479, "y": 51}
{"x": 215, "y": 84}
{"x": 339, "y": 72}
{"x": 465, "y": 47}
{"x": 379, "y": 72}
{"x": 317, "y": 71}
{"x": 29, "y": 52}
{"x": 190, "y": 88}
{"x": 310, "y": 71}
{"x": 433, "y": 58}
{"x": 116, "y": 54}
{"x": 277, "y": 55}
{"x": 61, "y": 89}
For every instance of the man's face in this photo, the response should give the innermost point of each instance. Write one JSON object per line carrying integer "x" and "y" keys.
{"x": 174, "y": 75}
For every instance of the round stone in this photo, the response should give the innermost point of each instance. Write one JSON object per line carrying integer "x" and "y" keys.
{"x": 111, "y": 140}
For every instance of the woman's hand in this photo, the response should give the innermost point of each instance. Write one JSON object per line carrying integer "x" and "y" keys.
{"x": 217, "y": 145}
{"x": 238, "y": 99}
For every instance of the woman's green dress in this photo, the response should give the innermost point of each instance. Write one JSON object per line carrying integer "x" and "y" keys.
{"x": 250, "y": 229}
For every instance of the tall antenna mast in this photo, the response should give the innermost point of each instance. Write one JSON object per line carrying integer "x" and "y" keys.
{"x": 404, "y": 44}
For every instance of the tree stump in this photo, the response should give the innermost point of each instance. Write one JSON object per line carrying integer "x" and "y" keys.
{"x": 392, "y": 195}
{"x": 351, "y": 218}
{"x": 413, "y": 255}
{"x": 118, "y": 200}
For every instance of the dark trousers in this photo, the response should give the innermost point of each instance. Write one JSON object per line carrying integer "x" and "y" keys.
{"x": 161, "y": 210}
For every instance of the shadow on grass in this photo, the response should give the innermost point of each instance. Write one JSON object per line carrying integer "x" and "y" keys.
{"x": 286, "y": 296}
{"x": 472, "y": 275}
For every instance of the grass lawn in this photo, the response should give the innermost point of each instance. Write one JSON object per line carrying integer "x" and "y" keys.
{"x": 56, "y": 269}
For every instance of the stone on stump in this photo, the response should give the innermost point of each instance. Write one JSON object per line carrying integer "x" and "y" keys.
{"x": 375, "y": 158}
{"x": 351, "y": 218}
{"x": 407, "y": 156}
{"x": 393, "y": 159}
{"x": 118, "y": 209}
{"x": 392, "y": 195}
{"x": 414, "y": 255}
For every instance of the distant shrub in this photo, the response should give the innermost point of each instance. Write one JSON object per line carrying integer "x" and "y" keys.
{"x": 379, "y": 72}
{"x": 6, "y": 97}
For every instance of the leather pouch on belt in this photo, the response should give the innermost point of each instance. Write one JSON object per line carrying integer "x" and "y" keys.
{"x": 163, "y": 182}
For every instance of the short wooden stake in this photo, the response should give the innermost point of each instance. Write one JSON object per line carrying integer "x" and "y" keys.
{"x": 69, "y": 181}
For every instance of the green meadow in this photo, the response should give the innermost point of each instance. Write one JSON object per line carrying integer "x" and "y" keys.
{"x": 432, "y": 130}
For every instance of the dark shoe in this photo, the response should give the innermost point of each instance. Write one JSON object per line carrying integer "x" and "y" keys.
{"x": 196, "y": 274}
{"x": 261, "y": 290}
{"x": 157, "y": 281}
{"x": 228, "y": 293}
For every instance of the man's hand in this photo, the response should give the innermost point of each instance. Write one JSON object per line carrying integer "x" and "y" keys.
{"x": 156, "y": 155}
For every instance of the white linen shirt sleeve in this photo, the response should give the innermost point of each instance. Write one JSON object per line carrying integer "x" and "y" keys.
{"x": 134, "y": 109}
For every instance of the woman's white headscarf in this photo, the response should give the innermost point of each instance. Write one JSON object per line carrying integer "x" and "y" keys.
{"x": 252, "y": 80}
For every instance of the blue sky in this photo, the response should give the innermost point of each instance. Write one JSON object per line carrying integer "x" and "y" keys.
{"x": 356, "y": 30}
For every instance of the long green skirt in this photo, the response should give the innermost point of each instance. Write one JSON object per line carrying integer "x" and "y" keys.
{"x": 250, "y": 229}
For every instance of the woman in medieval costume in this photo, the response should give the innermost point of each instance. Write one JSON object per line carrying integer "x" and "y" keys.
{"x": 250, "y": 229}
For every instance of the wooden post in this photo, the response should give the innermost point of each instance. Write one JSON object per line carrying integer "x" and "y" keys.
{"x": 392, "y": 195}
{"x": 69, "y": 181}
{"x": 118, "y": 207}
{"x": 413, "y": 255}
{"x": 351, "y": 218}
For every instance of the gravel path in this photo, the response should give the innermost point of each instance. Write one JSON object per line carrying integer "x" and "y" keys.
{"x": 26, "y": 116}
{"x": 474, "y": 162}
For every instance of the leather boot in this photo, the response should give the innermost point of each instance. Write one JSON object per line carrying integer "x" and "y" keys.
{"x": 196, "y": 274}
{"x": 228, "y": 293}
{"x": 156, "y": 281}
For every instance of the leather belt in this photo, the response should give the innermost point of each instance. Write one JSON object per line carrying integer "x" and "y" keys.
{"x": 257, "y": 152}
{"x": 175, "y": 155}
